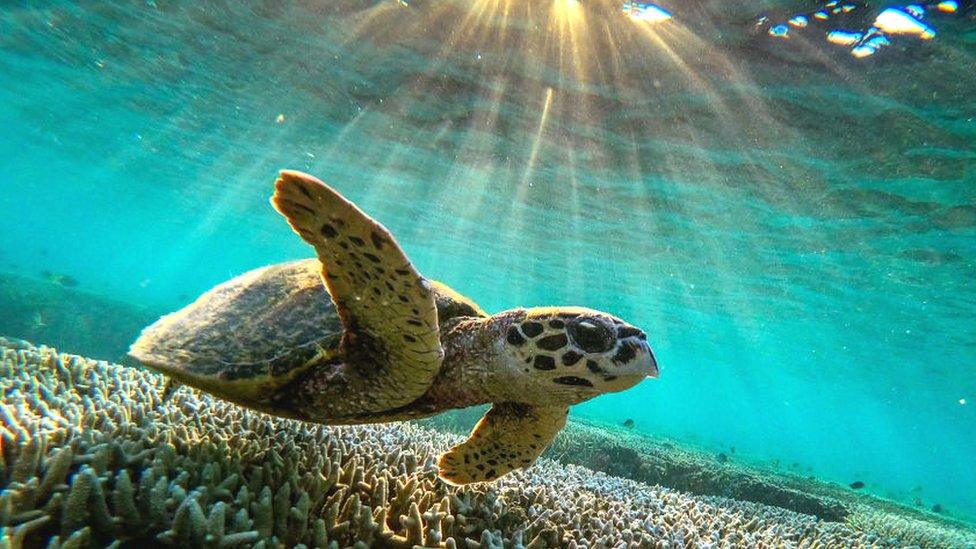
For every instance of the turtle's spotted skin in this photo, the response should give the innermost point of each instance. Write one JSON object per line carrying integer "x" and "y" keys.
{"x": 359, "y": 336}
{"x": 557, "y": 340}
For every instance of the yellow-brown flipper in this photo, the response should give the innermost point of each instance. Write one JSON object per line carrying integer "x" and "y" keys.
{"x": 511, "y": 436}
{"x": 387, "y": 308}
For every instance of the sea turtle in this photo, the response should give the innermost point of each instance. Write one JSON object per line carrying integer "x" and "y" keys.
{"x": 390, "y": 344}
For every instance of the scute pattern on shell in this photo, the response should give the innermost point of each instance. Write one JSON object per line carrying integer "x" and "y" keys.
{"x": 90, "y": 455}
{"x": 265, "y": 322}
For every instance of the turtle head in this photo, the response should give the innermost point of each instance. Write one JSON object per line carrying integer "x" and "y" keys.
{"x": 575, "y": 354}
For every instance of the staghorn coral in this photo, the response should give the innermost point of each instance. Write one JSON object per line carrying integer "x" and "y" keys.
{"x": 92, "y": 455}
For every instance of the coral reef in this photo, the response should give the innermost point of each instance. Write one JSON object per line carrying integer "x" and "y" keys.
{"x": 72, "y": 319}
{"x": 630, "y": 455}
{"x": 653, "y": 461}
{"x": 662, "y": 463}
{"x": 624, "y": 453}
{"x": 92, "y": 455}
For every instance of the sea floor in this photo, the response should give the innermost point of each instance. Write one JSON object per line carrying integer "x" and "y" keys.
{"x": 92, "y": 455}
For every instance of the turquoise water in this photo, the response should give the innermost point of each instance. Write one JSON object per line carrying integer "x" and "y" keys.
{"x": 794, "y": 228}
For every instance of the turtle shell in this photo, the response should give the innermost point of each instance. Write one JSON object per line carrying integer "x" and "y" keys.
{"x": 254, "y": 332}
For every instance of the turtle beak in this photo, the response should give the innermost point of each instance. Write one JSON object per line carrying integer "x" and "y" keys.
{"x": 650, "y": 364}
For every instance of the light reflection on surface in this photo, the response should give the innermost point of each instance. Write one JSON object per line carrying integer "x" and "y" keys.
{"x": 843, "y": 38}
{"x": 839, "y": 22}
{"x": 645, "y": 11}
{"x": 896, "y": 21}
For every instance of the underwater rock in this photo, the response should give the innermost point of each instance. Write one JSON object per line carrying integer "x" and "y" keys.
{"x": 92, "y": 455}
{"x": 71, "y": 318}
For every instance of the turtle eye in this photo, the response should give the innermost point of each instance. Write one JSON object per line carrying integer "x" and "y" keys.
{"x": 591, "y": 335}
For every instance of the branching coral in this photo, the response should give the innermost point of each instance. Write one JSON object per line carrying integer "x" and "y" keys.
{"x": 92, "y": 455}
{"x": 886, "y": 529}
{"x": 630, "y": 456}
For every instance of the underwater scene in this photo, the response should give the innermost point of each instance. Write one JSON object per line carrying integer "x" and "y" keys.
{"x": 399, "y": 241}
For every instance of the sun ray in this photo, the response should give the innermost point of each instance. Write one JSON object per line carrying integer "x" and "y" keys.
{"x": 537, "y": 142}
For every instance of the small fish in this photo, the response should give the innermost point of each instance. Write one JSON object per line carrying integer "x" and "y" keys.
{"x": 857, "y": 485}
{"x": 67, "y": 281}
{"x": 722, "y": 458}
{"x": 937, "y": 508}
{"x": 731, "y": 449}
{"x": 629, "y": 423}
{"x": 37, "y": 321}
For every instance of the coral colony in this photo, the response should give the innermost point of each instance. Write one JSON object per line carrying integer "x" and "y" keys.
{"x": 93, "y": 455}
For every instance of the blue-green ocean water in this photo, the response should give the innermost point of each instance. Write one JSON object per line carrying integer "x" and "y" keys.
{"x": 794, "y": 228}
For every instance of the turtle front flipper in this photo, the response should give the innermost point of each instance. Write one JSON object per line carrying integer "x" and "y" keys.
{"x": 391, "y": 343}
{"x": 511, "y": 436}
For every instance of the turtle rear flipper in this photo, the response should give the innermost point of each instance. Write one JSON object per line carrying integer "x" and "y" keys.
{"x": 391, "y": 343}
{"x": 510, "y": 436}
